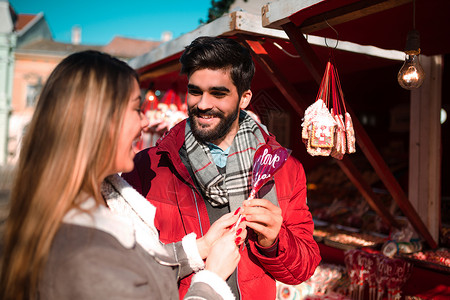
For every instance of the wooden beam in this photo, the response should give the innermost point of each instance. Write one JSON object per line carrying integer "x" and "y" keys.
{"x": 305, "y": 51}
{"x": 299, "y": 105}
{"x": 348, "y": 13}
{"x": 267, "y": 64}
{"x": 227, "y": 25}
{"x": 363, "y": 140}
{"x": 365, "y": 189}
{"x": 277, "y": 13}
{"x": 161, "y": 70}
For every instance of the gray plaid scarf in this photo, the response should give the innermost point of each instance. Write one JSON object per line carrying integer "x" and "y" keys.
{"x": 235, "y": 186}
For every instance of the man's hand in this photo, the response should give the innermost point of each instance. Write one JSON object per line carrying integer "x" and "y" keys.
{"x": 264, "y": 218}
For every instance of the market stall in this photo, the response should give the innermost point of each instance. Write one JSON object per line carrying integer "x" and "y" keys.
{"x": 356, "y": 19}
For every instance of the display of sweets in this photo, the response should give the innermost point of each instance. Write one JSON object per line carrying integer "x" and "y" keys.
{"x": 357, "y": 239}
{"x": 330, "y": 296}
{"x": 382, "y": 274}
{"x": 327, "y": 279}
{"x": 321, "y": 232}
{"x": 440, "y": 256}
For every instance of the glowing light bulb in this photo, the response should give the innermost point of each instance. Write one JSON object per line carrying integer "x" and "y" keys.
{"x": 443, "y": 116}
{"x": 150, "y": 96}
{"x": 411, "y": 74}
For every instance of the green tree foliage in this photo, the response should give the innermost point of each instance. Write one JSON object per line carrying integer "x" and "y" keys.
{"x": 217, "y": 9}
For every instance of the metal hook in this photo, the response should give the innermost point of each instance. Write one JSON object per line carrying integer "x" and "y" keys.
{"x": 337, "y": 35}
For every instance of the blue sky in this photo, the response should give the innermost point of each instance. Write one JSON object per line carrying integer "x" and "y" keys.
{"x": 101, "y": 20}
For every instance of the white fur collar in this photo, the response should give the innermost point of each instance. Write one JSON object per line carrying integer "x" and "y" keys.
{"x": 130, "y": 217}
{"x": 135, "y": 200}
{"x": 123, "y": 199}
{"x": 103, "y": 219}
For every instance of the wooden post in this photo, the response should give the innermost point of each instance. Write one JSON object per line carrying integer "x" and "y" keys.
{"x": 425, "y": 145}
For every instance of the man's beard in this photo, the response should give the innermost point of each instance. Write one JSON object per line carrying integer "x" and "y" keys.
{"x": 202, "y": 133}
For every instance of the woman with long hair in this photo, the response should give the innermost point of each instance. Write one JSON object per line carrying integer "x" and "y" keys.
{"x": 63, "y": 238}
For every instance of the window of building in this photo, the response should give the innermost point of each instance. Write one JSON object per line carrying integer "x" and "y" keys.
{"x": 33, "y": 89}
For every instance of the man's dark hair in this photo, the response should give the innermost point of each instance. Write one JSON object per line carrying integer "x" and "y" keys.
{"x": 220, "y": 53}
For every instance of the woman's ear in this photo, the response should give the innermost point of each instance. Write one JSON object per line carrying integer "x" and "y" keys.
{"x": 245, "y": 99}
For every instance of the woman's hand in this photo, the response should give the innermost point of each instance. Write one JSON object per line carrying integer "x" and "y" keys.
{"x": 224, "y": 255}
{"x": 218, "y": 229}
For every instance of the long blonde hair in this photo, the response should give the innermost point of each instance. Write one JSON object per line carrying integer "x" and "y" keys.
{"x": 66, "y": 153}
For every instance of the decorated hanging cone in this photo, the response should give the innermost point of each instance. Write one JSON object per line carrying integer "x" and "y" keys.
{"x": 401, "y": 273}
{"x": 361, "y": 262}
{"x": 350, "y": 263}
{"x": 367, "y": 263}
{"x": 371, "y": 267}
{"x": 351, "y": 140}
{"x": 321, "y": 135}
{"x": 322, "y": 131}
{"x": 314, "y": 114}
{"x": 317, "y": 134}
{"x": 343, "y": 139}
{"x": 337, "y": 137}
{"x": 385, "y": 271}
{"x": 364, "y": 265}
{"x": 310, "y": 112}
{"x": 393, "y": 281}
{"x": 340, "y": 139}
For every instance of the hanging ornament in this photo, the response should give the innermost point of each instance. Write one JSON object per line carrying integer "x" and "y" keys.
{"x": 327, "y": 127}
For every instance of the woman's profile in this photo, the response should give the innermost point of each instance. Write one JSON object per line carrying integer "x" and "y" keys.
{"x": 78, "y": 231}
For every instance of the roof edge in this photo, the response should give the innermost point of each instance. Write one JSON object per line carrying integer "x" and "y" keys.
{"x": 30, "y": 24}
{"x": 227, "y": 25}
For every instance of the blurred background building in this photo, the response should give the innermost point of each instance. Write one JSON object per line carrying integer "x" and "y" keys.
{"x": 28, "y": 54}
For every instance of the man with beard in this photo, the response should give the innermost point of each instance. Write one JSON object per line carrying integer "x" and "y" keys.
{"x": 201, "y": 169}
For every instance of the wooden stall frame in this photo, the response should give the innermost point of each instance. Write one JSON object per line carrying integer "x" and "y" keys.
{"x": 306, "y": 53}
{"x": 299, "y": 105}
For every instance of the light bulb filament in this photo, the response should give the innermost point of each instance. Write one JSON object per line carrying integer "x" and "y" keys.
{"x": 411, "y": 74}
